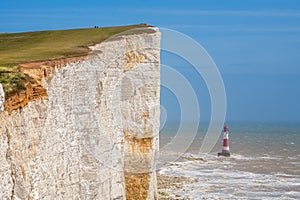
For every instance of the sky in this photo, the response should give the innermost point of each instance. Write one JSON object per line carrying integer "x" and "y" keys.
{"x": 254, "y": 43}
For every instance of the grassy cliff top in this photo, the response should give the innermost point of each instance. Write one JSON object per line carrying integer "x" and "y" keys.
{"x": 16, "y": 48}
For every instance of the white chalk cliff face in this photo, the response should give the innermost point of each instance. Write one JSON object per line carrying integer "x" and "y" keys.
{"x": 2, "y": 98}
{"x": 95, "y": 136}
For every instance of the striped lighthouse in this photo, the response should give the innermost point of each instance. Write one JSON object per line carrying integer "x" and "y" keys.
{"x": 225, "y": 150}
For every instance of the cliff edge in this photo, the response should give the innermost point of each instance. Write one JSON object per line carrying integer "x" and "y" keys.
{"x": 93, "y": 133}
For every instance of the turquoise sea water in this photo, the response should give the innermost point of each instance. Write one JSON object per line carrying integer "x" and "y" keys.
{"x": 264, "y": 163}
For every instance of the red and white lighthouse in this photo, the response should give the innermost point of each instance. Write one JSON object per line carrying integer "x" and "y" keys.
{"x": 225, "y": 150}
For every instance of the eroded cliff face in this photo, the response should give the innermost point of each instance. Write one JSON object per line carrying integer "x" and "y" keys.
{"x": 93, "y": 134}
{"x": 2, "y": 98}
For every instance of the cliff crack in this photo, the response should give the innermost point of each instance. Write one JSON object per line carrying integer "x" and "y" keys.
{"x": 8, "y": 157}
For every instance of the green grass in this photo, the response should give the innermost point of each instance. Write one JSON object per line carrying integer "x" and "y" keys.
{"x": 18, "y": 48}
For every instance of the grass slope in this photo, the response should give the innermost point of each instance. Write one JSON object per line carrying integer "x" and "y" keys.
{"x": 18, "y": 48}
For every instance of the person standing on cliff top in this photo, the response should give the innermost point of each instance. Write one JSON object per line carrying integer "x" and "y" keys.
{"x": 2, "y": 98}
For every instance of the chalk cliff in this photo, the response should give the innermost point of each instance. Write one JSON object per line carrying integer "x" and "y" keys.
{"x": 93, "y": 131}
{"x": 2, "y": 98}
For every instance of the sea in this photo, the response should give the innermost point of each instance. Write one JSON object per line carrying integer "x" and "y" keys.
{"x": 264, "y": 163}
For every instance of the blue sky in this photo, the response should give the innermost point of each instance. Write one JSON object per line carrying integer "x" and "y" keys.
{"x": 255, "y": 44}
